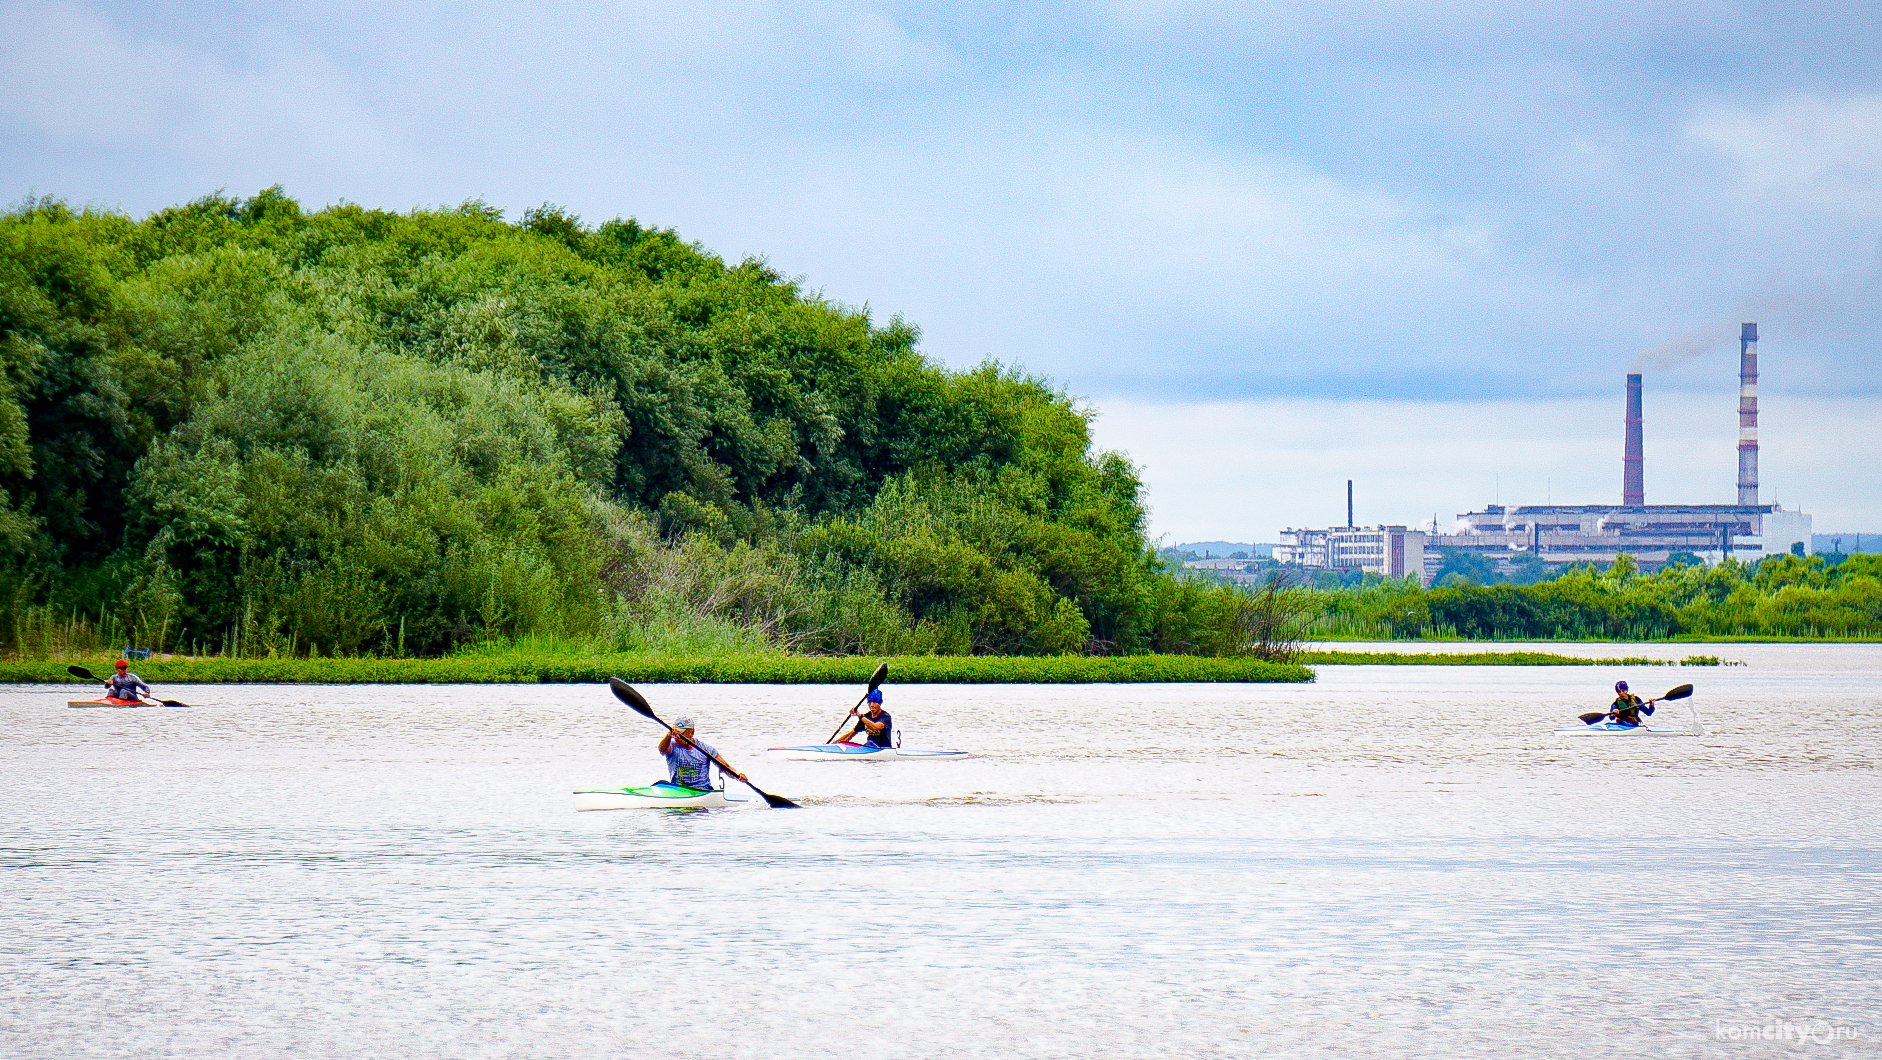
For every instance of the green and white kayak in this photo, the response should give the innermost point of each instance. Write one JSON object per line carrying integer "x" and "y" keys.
{"x": 657, "y": 796}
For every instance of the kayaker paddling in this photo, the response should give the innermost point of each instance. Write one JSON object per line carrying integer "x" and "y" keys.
{"x": 1626, "y": 707}
{"x": 874, "y": 725}
{"x": 125, "y": 685}
{"x": 689, "y": 759}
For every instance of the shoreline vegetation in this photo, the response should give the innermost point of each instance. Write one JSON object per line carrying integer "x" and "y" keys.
{"x": 836, "y": 670}
{"x": 776, "y": 669}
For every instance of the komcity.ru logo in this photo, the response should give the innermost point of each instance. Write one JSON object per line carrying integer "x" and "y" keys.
{"x": 1804, "y": 1032}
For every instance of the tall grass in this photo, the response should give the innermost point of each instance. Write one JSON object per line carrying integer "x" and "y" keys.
{"x": 474, "y": 668}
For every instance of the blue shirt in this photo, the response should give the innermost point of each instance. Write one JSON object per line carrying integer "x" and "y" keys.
{"x": 888, "y": 729}
{"x": 691, "y": 767}
{"x": 125, "y": 686}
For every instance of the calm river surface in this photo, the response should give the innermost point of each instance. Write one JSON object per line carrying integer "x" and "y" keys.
{"x": 1393, "y": 861}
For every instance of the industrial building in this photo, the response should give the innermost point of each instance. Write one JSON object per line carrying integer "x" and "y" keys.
{"x": 1393, "y": 551}
{"x": 1561, "y": 534}
{"x": 1651, "y": 533}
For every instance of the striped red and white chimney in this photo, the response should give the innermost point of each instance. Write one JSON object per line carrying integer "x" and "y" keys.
{"x": 1748, "y": 414}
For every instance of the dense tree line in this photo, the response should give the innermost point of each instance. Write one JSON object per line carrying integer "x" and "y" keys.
{"x": 1787, "y": 595}
{"x": 240, "y": 426}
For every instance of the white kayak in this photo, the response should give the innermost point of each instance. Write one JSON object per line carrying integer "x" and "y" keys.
{"x": 656, "y": 796}
{"x": 115, "y": 704}
{"x": 853, "y": 752}
{"x": 1615, "y": 728}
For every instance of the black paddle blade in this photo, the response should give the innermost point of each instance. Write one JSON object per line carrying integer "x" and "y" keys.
{"x": 173, "y": 703}
{"x": 626, "y": 694}
{"x": 1679, "y": 693}
{"x": 881, "y": 675}
{"x": 81, "y": 673}
{"x": 1592, "y": 716}
{"x": 778, "y": 802}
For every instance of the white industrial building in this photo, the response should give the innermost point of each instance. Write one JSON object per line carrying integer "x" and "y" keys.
{"x": 1393, "y": 551}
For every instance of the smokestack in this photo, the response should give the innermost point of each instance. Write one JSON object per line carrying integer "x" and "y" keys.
{"x": 1748, "y": 414}
{"x": 1633, "y": 491}
{"x": 1349, "y": 504}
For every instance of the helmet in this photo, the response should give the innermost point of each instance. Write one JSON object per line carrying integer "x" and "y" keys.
{"x": 1620, "y": 686}
{"x": 122, "y": 665}
{"x": 875, "y": 696}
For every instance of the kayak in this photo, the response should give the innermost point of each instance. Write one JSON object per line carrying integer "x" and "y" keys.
{"x": 1615, "y": 728}
{"x": 109, "y": 702}
{"x": 657, "y": 796}
{"x": 853, "y": 752}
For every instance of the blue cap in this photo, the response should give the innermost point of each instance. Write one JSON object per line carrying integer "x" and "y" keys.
{"x": 875, "y": 696}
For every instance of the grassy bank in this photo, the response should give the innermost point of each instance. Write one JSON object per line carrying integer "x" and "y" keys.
{"x": 927, "y": 669}
{"x": 1481, "y": 658}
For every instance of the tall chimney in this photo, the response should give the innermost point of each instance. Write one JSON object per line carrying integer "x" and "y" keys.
{"x": 1633, "y": 491}
{"x": 1349, "y": 504}
{"x": 1748, "y": 414}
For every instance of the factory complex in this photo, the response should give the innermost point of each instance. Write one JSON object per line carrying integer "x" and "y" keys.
{"x": 1560, "y": 534}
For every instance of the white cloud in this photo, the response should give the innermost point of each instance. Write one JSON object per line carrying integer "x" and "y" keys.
{"x": 1823, "y": 150}
{"x": 70, "y": 76}
{"x": 1187, "y": 198}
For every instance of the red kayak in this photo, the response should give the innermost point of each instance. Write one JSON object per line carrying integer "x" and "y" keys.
{"x": 108, "y": 701}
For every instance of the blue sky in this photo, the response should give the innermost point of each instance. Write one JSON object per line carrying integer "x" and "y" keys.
{"x": 1398, "y": 242}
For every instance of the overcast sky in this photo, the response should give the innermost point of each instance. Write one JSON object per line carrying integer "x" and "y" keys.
{"x": 1274, "y": 245}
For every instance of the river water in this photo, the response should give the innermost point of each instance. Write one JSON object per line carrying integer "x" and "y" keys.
{"x": 1392, "y": 861}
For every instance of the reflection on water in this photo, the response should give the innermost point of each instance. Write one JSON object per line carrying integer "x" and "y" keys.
{"x": 1391, "y": 861}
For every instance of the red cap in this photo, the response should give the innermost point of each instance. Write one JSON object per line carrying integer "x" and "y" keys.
{"x": 122, "y": 665}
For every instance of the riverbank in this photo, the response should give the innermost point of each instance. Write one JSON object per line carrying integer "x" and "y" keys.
{"x": 792, "y": 670}
{"x": 1486, "y": 658}
{"x": 762, "y": 670}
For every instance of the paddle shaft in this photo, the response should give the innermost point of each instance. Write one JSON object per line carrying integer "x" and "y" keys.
{"x": 1681, "y": 692}
{"x": 875, "y": 682}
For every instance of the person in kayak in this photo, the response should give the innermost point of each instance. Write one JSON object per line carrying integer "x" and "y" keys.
{"x": 1626, "y": 706}
{"x": 874, "y": 724}
{"x": 689, "y": 759}
{"x": 125, "y": 685}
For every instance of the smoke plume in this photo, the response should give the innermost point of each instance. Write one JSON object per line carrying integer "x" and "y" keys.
{"x": 1678, "y": 351}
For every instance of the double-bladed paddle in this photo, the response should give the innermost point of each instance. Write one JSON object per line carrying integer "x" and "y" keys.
{"x": 626, "y": 694}
{"x": 875, "y": 682}
{"x": 1678, "y": 693}
{"x": 86, "y": 675}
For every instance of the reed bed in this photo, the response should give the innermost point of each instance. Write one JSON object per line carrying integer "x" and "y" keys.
{"x": 473, "y": 669}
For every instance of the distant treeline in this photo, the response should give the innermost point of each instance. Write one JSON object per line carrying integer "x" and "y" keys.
{"x": 1783, "y": 596}
{"x": 237, "y": 427}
